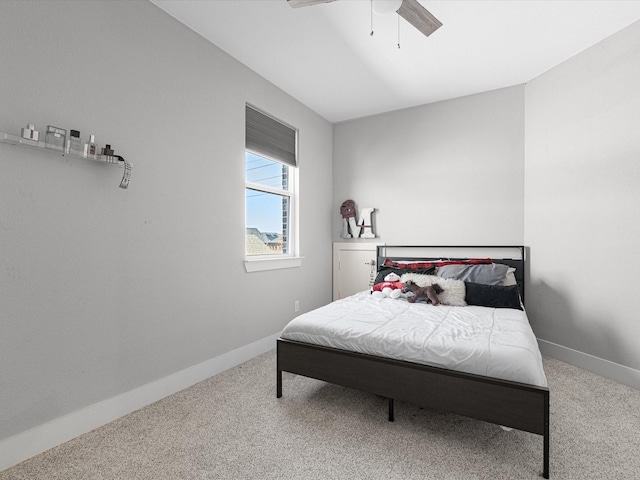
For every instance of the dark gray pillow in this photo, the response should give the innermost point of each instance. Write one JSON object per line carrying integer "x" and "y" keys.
{"x": 496, "y": 296}
{"x": 491, "y": 274}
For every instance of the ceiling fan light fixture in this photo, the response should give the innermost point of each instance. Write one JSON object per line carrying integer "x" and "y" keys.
{"x": 411, "y": 10}
{"x": 384, "y": 7}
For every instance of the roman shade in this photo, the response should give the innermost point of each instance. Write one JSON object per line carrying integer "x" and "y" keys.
{"x": 270, "y": 138}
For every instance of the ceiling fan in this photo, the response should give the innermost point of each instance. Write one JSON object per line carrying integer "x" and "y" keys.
{"x": 410, "y": 10}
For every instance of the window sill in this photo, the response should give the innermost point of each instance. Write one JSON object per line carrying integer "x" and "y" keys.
{"x": 262, "y": 264}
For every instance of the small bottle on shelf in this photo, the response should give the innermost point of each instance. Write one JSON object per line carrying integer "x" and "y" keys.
{"x": 74, "y": 144}
{"x": 107, "y": 150}
{"x": 56, "y": 138}
{"x": 30, "y": 133}
{"x": 90, "y": 148}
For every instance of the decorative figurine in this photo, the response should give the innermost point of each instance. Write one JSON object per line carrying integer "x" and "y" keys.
{"x": 365, "y": 223}
{"x": 348, "y": 212}
{"x": 352, "y": 228}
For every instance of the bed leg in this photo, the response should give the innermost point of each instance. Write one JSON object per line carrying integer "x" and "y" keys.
{"x": 391, "y": 412}
{"x": 279, "y": 384}
{"x": 545, "y": 471}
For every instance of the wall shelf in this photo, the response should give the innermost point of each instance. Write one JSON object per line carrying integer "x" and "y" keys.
{"x": 38, "y": 145}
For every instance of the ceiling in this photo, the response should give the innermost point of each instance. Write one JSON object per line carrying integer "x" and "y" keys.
{"x": 325, "y": 57}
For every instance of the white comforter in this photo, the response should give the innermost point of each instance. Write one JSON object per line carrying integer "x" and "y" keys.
{"x": 495, "y": 342}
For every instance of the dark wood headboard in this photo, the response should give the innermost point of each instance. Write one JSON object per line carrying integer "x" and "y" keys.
{"x": 511, "y": 255}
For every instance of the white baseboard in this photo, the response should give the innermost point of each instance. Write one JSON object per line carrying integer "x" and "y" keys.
{"x": 43, "y": 437}
{"x": 605, "y": 368}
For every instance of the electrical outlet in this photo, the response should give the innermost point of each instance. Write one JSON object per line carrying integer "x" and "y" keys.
{"x": 296, "y": 306}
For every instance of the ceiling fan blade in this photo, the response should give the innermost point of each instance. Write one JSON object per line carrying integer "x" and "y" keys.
{"x": 306, "y": 3}
{"x": 419, "y": 17}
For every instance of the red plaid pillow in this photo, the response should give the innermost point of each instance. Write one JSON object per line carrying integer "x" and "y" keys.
{"x": 435, "y": 263}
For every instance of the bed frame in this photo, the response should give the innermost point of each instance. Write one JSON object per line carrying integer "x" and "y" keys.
{"x": 503, "y": 402}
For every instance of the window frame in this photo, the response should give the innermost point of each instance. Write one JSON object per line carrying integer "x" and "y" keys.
{"x": 292, "y": 258}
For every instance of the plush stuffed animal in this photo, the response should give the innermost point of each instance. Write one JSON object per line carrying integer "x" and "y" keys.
{"x": 430, "y": 293}
{"x": 391, "y": 287}
{"x": 348, "y": 212}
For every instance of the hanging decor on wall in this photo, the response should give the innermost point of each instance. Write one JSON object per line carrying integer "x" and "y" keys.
{"x": 353, "y": 227}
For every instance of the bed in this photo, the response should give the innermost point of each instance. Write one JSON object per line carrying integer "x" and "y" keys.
{"x": 386, "y": 347}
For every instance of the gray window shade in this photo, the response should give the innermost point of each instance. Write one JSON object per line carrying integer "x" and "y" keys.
{"x": 270, "y": 138}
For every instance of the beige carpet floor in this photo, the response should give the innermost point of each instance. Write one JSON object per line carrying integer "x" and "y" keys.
{"x": 232, "y": 426}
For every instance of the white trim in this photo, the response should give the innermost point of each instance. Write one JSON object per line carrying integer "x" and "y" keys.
{"x": 262, "y": 264}
{"x": 43, "y": 437}
{"x": 614, "y": 371}
{"x": 263, "y": 188}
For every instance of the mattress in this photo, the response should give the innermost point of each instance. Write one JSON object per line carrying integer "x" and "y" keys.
{"x": 494, "y": 342}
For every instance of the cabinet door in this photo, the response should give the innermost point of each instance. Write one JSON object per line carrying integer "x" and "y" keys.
{"x": 354, "y": 268}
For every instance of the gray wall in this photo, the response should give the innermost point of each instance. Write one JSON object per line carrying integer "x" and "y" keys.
{"x": 458, "y": 172}
{"x": 440, "y": 174}
{"x": 582, "y": 221}
{"x": 101, "y": 289}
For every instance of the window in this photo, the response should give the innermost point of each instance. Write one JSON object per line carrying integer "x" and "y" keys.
{"x": 267, "y": 202}
{"x": 270, "y": 193}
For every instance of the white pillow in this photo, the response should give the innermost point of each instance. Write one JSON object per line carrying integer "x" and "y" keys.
{"x": 510, "y": 278}
{"x": 453, "y": 290}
